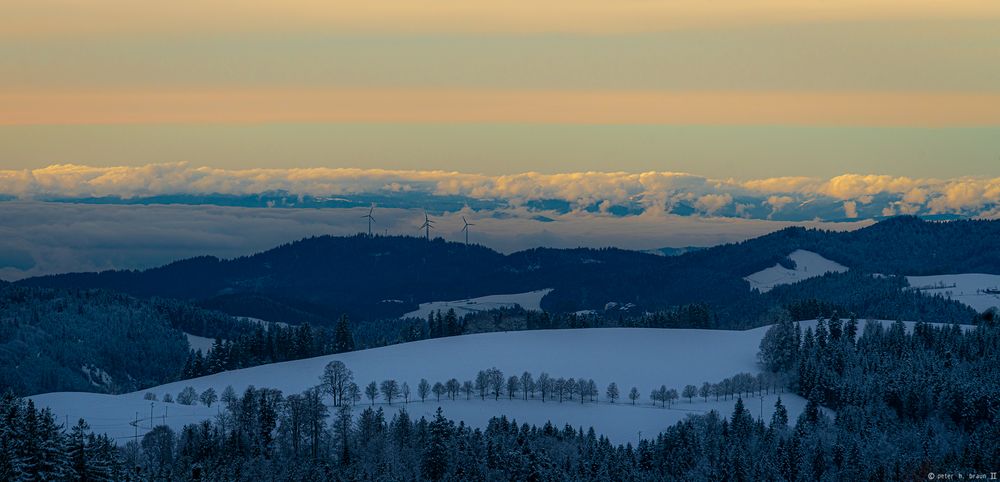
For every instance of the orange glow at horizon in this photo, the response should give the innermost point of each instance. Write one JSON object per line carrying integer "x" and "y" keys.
{"x": 527, "y": 106}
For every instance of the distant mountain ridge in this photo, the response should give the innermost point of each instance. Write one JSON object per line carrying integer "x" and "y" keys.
{"x": 318, "y": 279}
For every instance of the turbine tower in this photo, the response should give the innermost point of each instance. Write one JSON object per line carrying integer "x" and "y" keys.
{"x": 466, "y": 229}
{"x": 428, "y": 224}
{"x": 370, "y": 219}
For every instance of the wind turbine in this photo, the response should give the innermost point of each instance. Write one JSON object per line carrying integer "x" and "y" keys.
{"x": 466, "y": 229}
{"x": 428, "y": 224}
{"x": 370, "y": 219}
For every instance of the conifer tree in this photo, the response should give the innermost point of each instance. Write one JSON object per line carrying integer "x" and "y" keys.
{"x": 779, "y": 420}
{"x": 434, "y": 463}
{"x": 343, "y": 341}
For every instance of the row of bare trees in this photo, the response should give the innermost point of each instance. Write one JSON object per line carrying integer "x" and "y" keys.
{"x": 338, "y": 381}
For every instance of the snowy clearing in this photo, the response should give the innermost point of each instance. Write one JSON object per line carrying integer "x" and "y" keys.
{"x": 531, "y": 300}
{"x": 807, "y": 265}
{"x": 199, "y": 342}
{"x": 977, "y": 290}
{"x": 644, "y": 358}
{"x": 266, "y": 324}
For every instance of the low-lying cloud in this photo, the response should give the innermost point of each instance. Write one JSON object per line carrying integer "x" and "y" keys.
{"x": 38, "y": 238}
{"x": 79, "y": 218}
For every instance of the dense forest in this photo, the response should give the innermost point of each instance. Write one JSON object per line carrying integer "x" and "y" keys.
{"x": 931, "y": 373}
{"x": 53, "y": 340}
{"x": 275, "y": 343}
{"x": 902, "y": 403}
{"x": 99, "y": 340}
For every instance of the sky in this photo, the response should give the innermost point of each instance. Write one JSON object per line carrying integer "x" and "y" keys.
{"x": 134, "y": 133}
{"x": 731, "y": 88}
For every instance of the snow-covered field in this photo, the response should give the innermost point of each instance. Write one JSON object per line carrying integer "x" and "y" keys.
{"x": 531, "y": 300}
{"x": 967, "y": 288}
{"x": 264, "y": 323}
{"x": 199, "y": 342}
{"x": 644, "y": 358}
{"x": 807, "y": 265}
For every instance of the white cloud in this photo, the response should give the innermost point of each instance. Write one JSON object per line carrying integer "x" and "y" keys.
{"x": 960, "y": 194}
{"x": 778, "y": 202}
{"x": 850, "y": 209}
{"x": 849, "y": 186}
{"x": 653, "y": 191}
{"x": 710, "y": 203}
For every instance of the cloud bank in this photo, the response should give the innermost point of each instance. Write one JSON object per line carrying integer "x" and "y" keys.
{"x": 848, "y": 196}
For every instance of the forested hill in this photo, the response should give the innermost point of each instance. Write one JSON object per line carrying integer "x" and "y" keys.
{"x": 903, "y": 245}
{"x": 94, "y": 340}
{"x": 318, "y": 279}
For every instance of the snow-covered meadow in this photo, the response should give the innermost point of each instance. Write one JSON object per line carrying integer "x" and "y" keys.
{"x": 977, "y": 290}
{"x": 807, "y": 265}
{"x": 199, "y": 342}
{"x": 644, "y": 358}
{"x": 531, "y": 300}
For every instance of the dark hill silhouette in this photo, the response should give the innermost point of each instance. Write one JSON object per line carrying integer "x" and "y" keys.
{"x": 318, "y": 279}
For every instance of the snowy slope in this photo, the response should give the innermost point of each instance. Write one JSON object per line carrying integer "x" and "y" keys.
{"x": 645, "y": 358}
{"x": 807, "y": 265}
{"x": 967, "y": 288}
{"x": 531, "y": 300}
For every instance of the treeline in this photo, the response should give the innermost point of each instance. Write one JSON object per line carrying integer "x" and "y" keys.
{"x": 866, "y": 296}
{"x": 263, "y": 435}
{"x": 852, "y": 292}
{"x": 262, "y": 343}
{"x": 492, "y": 384}
{"x": 199, "y": 321}
{"x": 270, "y": 343}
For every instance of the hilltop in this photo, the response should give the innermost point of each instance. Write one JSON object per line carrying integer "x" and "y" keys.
{"x": 320, "y": 278}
